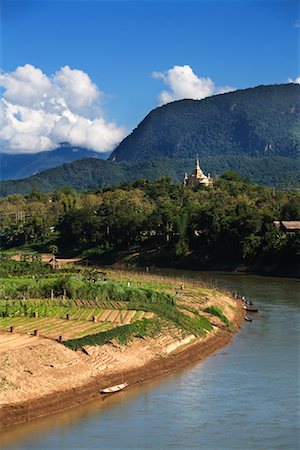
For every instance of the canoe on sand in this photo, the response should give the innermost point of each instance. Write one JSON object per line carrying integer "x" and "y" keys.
{"x": 116, "y": 388}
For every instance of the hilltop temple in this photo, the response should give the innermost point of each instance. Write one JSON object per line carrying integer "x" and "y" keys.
{"x": 197, "y": 177}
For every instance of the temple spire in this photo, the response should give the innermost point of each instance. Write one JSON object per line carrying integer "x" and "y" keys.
{"x": 198, "y": 171}
{"x": 197, "y": 176}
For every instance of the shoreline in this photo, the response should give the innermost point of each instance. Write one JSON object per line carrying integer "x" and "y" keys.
{"x": 161, "y": 366}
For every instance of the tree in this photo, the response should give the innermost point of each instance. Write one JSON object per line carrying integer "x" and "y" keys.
{"x": 123, "y": 214}
{"x": 291, "y": 209}
{"x": 182, "y": 246}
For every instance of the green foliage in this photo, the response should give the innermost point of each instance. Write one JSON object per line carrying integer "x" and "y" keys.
{"x": 279, "y": 171}
{"x": 216, "y": 311}
{"x": 182, "y": 246}
{"x": 25, "y": 308}
{"x": 263, "y": 121}
{"x": 98, "y": 294}
{"x": 162, "y": 304}
{"x": 291, "y": 210}
{"x": 161, "y": 222}
{"x": 10, "y": 267}
{"x": 123, "y": 334}
{"x": 230, "y": 175}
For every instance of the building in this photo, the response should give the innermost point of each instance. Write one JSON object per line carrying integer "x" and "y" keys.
{"x": 197, "y": 177}
{"x": 288, "y": 226}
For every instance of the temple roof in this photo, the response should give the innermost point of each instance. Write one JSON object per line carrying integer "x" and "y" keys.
{"x": 197, "y": 176}
{"x": 198, "y": 173}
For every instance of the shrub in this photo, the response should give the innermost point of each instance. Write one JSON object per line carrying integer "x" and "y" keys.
{"x": 215, "y": 311}
{"x": 123, "y": 334}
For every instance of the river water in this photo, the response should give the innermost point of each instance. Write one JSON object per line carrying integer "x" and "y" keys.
{"x": 245, "y": 396}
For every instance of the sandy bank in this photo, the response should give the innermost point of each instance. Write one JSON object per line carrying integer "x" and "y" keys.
{"x": 43, "y": 377}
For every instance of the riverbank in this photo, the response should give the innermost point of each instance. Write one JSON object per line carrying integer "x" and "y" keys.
{"x": 163, "y": 257}
{"x": 44, "y": 377}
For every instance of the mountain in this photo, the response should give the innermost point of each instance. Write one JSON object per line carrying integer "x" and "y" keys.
{"x": 255, "y": 132}
{"x": 91, "y": 173}
{"x": 24, "y": 165}
{"x": 257, "y": 122}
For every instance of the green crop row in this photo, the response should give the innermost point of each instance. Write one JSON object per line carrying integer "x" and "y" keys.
{"x": 197, "y": 325}
{"x": 103, "y": 295}
{"x": 123, "y": 334}
{"x": 27, "y": 309}
{"x": 70, "y": 288}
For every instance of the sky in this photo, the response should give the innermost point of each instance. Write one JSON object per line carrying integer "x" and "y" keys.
{"x": 88, "y": 72}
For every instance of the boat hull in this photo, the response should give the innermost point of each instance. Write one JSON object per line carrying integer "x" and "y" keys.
{"x": 113, "y": 389}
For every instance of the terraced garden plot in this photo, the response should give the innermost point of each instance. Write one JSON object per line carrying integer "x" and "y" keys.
{"x": 53, "y": 327}
{"x": 78, "y": 326}
{"x": 129, "y": 316}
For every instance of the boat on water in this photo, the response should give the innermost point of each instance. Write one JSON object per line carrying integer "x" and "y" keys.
{"x": 113, "y": 389}
{"x": 250, "y": 308}
{"x": 248, "y": 319}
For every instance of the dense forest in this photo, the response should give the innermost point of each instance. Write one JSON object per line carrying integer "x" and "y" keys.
{"x": 91, "y": 173}
{"x": 159, "y": 222}
{"x": 262, "y": 121}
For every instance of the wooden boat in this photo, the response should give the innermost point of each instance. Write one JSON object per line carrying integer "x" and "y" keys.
{"x": 251, "y": 308}
{"x": 113, "y": 389}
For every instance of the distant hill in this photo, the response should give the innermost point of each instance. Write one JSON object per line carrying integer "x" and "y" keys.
{"x": 257, "y": 122}
{"x": 91, "y": 173}
{"x": 255, "y": 132}
{"x": 16, "y": 166}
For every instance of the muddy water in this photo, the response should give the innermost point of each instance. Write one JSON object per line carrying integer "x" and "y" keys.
{"x": 246, "y": 396}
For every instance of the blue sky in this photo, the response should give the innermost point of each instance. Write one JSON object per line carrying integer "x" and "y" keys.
{"x": 119, "y": 44}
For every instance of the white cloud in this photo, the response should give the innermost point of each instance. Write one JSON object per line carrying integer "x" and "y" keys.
{"x": 79, "y": 91}
{"x": 296, "y": 80}
{"x": 38, "y": 112}
{"x": 184, "y": 83}
{"x": 27, "y": 86}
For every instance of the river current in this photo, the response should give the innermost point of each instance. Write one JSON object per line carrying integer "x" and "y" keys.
{"x": 245, "y": 396}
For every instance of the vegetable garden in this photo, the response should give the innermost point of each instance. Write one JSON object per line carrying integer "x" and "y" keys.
{"x": 95, "y": 311}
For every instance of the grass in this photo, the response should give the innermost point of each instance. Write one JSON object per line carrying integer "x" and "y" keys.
{"x": 216, "y": 311}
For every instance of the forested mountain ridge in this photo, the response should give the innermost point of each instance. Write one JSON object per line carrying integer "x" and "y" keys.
{"x": 262, "y": 121}
{"x": 17, "y": 166}
{"x": 91, "y": 173}
{"x": 255, "y": 132}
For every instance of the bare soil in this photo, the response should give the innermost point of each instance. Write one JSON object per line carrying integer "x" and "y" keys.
{"x": 41, "y": 376}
